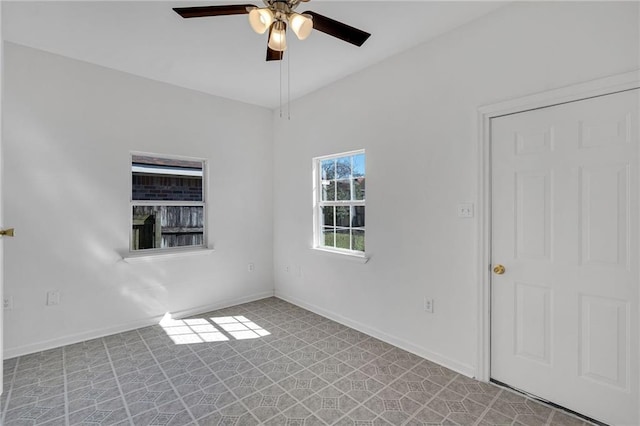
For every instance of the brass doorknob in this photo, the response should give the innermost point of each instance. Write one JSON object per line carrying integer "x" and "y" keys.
{"x": 7, "y": 232}
{"x": 499, "y": 270}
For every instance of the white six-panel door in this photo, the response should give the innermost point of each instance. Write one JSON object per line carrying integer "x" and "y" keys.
{"x": 565, "y": 200}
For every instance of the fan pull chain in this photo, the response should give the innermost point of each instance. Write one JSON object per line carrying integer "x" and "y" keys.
{"x": 289, "y": 85}
{"x": 280, "y": 88}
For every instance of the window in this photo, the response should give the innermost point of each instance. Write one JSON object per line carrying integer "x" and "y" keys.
{"x": 340, "y": 202}
{"x": 167, "y": 203}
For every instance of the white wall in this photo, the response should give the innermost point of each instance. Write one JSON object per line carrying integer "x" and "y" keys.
{"x": 415, "y": 115}
{"x": 69, "y": 129}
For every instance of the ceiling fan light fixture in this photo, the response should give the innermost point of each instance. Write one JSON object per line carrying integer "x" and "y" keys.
{"x": 277, "y": 39}
{"x": 260, "y": 19}
{"x": 301, "y": 25}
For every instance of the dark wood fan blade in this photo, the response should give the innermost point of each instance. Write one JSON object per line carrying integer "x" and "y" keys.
{"x": 338, "y": 29}
{"x": 274, "y": 55}
{"x": 202, "y": 11}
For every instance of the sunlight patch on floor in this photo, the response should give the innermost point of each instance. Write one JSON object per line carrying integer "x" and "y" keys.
{"x": 201, "y": 330}
{"x": 190, "y": 331}
{"x": 240, "y": 327}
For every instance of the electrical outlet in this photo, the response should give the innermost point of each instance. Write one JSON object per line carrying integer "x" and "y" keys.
{"x": 465, "y": 210}
{"x": 428, "y": 305}
{"x": 53, "y": 298}
{"x": 286, "y": 269}
{"x": 8, "y": 303}
{"x": 251, "y": 267}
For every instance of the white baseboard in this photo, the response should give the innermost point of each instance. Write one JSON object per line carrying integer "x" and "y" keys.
{"x": 121, "y": 328}
{"x": 445, "y": 361}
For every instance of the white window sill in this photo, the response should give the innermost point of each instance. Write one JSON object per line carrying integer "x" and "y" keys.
{"x": 166, "y": 254}
{"x": 360, "y": 258}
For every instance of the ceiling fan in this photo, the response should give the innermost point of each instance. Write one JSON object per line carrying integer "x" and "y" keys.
{"x": 274, "y": 17}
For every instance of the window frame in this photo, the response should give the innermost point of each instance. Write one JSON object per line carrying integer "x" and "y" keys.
{"x": 203, "y": 204}
{"x": 318, "y": 204}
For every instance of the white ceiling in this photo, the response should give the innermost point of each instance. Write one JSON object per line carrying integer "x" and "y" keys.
{"x": 222, "y": 55}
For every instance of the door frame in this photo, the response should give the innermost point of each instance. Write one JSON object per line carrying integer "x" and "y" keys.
{"x": 594, "y": 88}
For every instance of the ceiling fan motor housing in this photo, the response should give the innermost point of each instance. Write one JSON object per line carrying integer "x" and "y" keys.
{"x": 281, "y": 9}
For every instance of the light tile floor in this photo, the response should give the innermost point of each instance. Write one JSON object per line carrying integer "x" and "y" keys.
{"x": 266, "y": 362}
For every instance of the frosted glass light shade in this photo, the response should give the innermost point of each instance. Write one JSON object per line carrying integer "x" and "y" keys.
{"x": 278, "y": 40}
{"x": 260, "y": 19}
{"x": 301, "y": 25}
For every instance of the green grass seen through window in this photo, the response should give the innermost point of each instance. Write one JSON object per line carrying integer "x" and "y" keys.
{"x": 342, "y": 240}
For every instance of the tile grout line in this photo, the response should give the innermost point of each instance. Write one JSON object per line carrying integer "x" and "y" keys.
{"x": 273, "y": 381}
{"x": 358, "y": 369}
{"x": 115, "y": 375}
{"x": 333, "y": 355}
{"x": 484, "y": 413}
{"x": 330, "y": 355}
{"x": 423, "y": 405}
{"x": 487, "y": 407}
{"x": 549, "y": 417}
{"x": 361, "y": 404}
{"x": 548, "y": 421}
{"x": 13, "y": 378}
{"x": 307, "y": 368}
{"x": 352, "y": 345}
{"x": 237, "y": 353}
{"x": 435, "y": 395}
{"x": 66, "y": 387}
{"x": 552, "y": 410}
{"x": 175, "y": 390}
{"x": 240, "y": 400}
